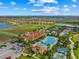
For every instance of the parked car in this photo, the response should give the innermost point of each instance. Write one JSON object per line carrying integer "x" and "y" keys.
{"x": 9, "y": 57}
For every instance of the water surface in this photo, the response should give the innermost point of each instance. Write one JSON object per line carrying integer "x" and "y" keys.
{"x": 3, "y": 25}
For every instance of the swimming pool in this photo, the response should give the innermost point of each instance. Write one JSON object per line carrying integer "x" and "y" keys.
{"x": 48, "y": 41}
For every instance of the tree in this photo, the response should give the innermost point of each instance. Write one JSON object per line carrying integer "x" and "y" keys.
{"x": 77, "y": 44}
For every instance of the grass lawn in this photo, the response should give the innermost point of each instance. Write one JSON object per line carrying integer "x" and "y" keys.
{"x": 22, "y": 57}
{"x": 4, "y": 37}
{"x": 2, "y": 46}
{"x": 76, "y": 52}
{"x": 27, "y": 50}
{"x": 73, "y": 23}
{"x": 42, "y": 56}
{"x": 75, "y": 37}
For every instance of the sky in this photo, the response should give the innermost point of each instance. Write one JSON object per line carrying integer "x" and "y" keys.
{"x": 39, "y": 7}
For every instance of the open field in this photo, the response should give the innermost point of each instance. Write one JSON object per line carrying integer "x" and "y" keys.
{"x": 4, "y": 37}
{"x": 20, "y": 29}
{"x": 76, "y": 52}
{"x": 75, "y": 37}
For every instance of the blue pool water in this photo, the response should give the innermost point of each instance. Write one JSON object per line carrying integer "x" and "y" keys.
{"x": 2, "y": 25}
{"x": 50, "y": 40}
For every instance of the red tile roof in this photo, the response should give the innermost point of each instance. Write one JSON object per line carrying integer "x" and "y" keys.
{"x": 32, "y": 36}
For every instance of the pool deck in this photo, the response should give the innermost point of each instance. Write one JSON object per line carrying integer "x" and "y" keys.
{"x": 39, "y": 43}
{"x": 56, "y": 40}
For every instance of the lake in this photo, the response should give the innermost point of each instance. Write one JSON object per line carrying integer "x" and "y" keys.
{"x": 2, "y": 25}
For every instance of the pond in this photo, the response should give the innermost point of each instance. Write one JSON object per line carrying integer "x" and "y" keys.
{"x": 3, "y": 25}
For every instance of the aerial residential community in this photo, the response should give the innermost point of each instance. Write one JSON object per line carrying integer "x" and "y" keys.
{"x": 39, "y": 29}
{"x": 30, "y": 38}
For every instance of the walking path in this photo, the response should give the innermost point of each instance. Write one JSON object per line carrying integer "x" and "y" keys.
{"x": 35, "y": 56}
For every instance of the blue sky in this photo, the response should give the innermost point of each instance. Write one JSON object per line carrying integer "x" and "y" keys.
{"x": 38, "y": 7}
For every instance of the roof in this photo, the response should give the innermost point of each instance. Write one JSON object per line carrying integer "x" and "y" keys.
{"x": 61, "y": 51}
{"x": 54, "y": 58}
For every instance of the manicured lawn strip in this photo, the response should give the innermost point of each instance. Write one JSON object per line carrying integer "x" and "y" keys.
{"x": 22, "y": 57}
{"x": 76, "y": 52}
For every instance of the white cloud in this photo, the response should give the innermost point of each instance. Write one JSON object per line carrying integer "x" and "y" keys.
{"x": 56, "y": 2}
{"x": 24, "y": 8}
{"x": 49, "y": 1}
{"x": 32, "y": 1}
{"x": 19, "y": 9}
{"x": 66, "y": 9}
{"x": 43, "y": 1}
{"x": 74, "y": 5}
{"x": 74, "y": 0}
{"x": 47, "y": 9}
{"x": 13, "y": 3}
{"x": 65, "y": 6}
{"x": 38, "y": 4}
{"x": 15, "y": 8}
{"x": 66, "y": 14}
{"x": 51, "y": 9}
{"x": 33, "y": 10}
{"x": 3, "y": 7}
{"x": 1, "y": 3}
